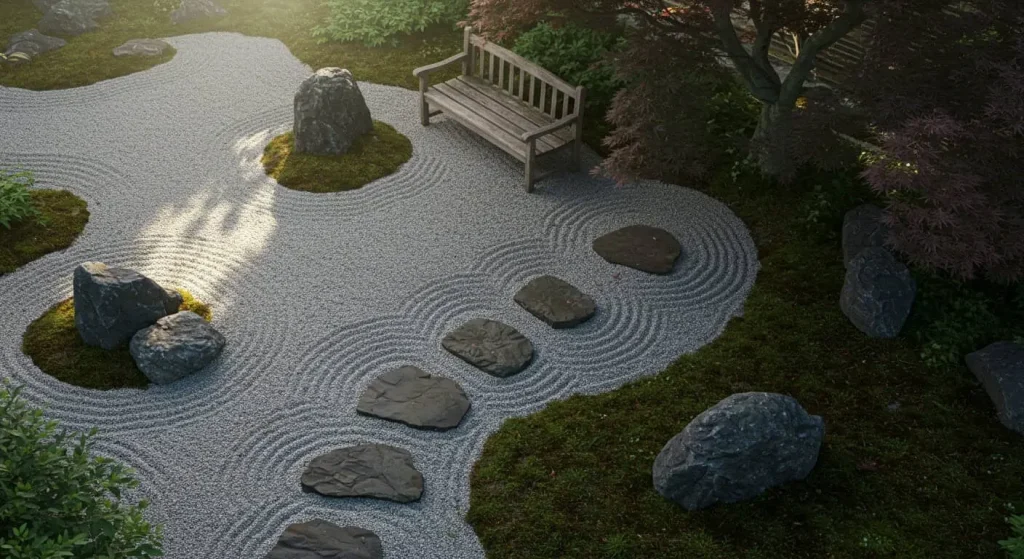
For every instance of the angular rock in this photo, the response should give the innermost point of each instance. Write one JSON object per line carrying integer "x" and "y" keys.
{"x": 491, "y": 346}
{"x": 556, "y": 302}
{"x": 1000, "y": 368}
{"x": 175, "y": 347}
{"x": 862, "y": 228}
{"x": 737, "y": 449}
{"x": 376, "y": 471}
{"x": 319, "y": 539}
{"x": 410, "y": 396}
{"x": 195, "y": 9}
{"x": 648, "y": 249}
{"x": 142, "y": 47}
{"x": 33, "y": 43}
{"x": 74, "y": 17}
{"x": 330, "y": 113}
{"x": 878, "y": 293}
{"x": 95, "y": 8}
{"x": 112, "y": 304}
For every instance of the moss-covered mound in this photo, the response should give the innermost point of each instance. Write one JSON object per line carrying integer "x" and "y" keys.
{"x": 375, "y": 155}
{"x": 63, "y": 217}
{"x": 53, "y": 343}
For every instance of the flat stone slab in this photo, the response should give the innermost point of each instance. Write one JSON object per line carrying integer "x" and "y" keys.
{"x": 319, "y": 539}
{"x": 142, "y": 47}
{"x": 490, "y": 346}
{"x": 556, "y": 302}
{"x": 645, "y": 248}
{"x": 1000, "y": 368}
{"x": 376, "y": 471}
{"x": 411, "y": 396}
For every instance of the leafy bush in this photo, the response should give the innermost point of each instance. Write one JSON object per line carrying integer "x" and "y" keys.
{"x": 56, "y": 500}
{"x": 374, "y": 22}
{"x": 1014, "y": 545}
{"x": 576, "y": 54}
{"x": 15, "y": 202}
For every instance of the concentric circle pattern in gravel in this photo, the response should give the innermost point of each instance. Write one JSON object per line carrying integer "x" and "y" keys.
{"x": 318, "y": 294}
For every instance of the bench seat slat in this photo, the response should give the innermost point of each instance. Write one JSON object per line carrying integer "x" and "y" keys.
{"x": 525, "y": 111}
{"x": 491, "y": 102}
{"x": 501, "y": 138}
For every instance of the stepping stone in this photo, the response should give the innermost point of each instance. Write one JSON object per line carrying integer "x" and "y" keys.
{"x": 491, "y": 346}
{"x": 410, "y": 396}
{"x": 142, "y": 47}
{"x": 556, "y": 302}
{"x": 648, "y": 249}
{"x": 377, "y": 471}
{"x": 319, "y": 539}
{"x": 175, "y": 347}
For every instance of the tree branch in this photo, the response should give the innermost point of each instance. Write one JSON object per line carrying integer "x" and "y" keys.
{"x": 757, "y": 81}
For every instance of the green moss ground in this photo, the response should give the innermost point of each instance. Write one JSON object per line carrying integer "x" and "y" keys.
{"x": 931, "y": 479}
{"x": 374, "y": 156}
{"x": 88, "y": 58}
{"x": 53, "y": 343}
{"x": 64, "y": 216}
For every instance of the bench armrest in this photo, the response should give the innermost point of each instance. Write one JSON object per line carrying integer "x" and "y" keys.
{"x": 557, "y": 125}
{"x": 426, "y": 70}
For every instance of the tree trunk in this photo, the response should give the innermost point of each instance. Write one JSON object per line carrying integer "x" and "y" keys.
{"x": 772, "y": 139}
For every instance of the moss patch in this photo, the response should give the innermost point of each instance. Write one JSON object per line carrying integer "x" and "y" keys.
{"x": 88, "y": 58}
{"x": 930, "y": 479}
{"x": 374, "y": 156}
{"x": 53, "y": 343}
{"x": 64, "y": 216}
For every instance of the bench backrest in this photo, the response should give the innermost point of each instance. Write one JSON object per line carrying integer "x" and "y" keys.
{"x": 519, "y": 77}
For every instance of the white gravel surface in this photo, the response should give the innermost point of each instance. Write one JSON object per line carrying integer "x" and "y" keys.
{"x": 318, "y": 294}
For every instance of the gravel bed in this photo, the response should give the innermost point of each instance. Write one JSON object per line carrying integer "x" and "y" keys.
{"x": 318, "y": 294}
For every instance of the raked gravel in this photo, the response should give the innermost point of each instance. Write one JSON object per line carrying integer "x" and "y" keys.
{"x": 318, "y": 294}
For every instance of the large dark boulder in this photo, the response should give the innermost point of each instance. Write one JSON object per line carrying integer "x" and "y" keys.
{"x": 175, "y": 347}
{"x": 330, "y": 113}
{"x": 878, "y": 293}
{"x": 112, "y": 304}
{"x": 556, "y": 302}
{"x": 737, "y": 449}
{"x": 33, "y": 43}
{"x": 189, "y": 10}
{"x": 645, "y": 248}
{"x": 491, "y": 346}
{"x": 1000, "y": 368}
{"x": 376, "y": 471}
{"x": 74, "y": 17}
{"x": 411, "y": 396}
{"x": 319, "y": 539}
{"x": 862, "y": 228}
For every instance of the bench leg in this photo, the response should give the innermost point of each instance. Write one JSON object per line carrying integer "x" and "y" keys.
{"x": 424, "y": 106}
{"x": 531, "y": 149}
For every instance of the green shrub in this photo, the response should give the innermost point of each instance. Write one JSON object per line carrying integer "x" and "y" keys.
{"x": 374, "y": 23}
{"x": 15, "y": 200}
{"x": 1014, "y": 545}
{"x": 56, "y": 500}
{"x": 576, "y": 54}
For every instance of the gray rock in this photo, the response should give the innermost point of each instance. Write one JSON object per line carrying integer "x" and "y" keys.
{"x": 33, "y": 43}
{"x": 74, "y": 17}
{"x": 737, "y": 449}
{"x": 319, "y": 539}
{"x": 648, "y": 249}
{"x": 410, "y": 396}
{"x": 1000, "y": 368}
{"x": 189, "y": 10}
{"x": 142, "y": 47}
{"x": 330, "y": 113}
{"x": 376, "y": 471}
{"x": 491, "y": 346}
{"x": 175, "y": 347}
{"x": 878, "y": 293}
{"x": 112, "y": 304}
{"x": 862, "y": 228}
{"x": 556, "y": 302}
{"x": 95, "y": 8}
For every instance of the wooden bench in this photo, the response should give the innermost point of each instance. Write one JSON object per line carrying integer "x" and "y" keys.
{"x": 514, "y": 104}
